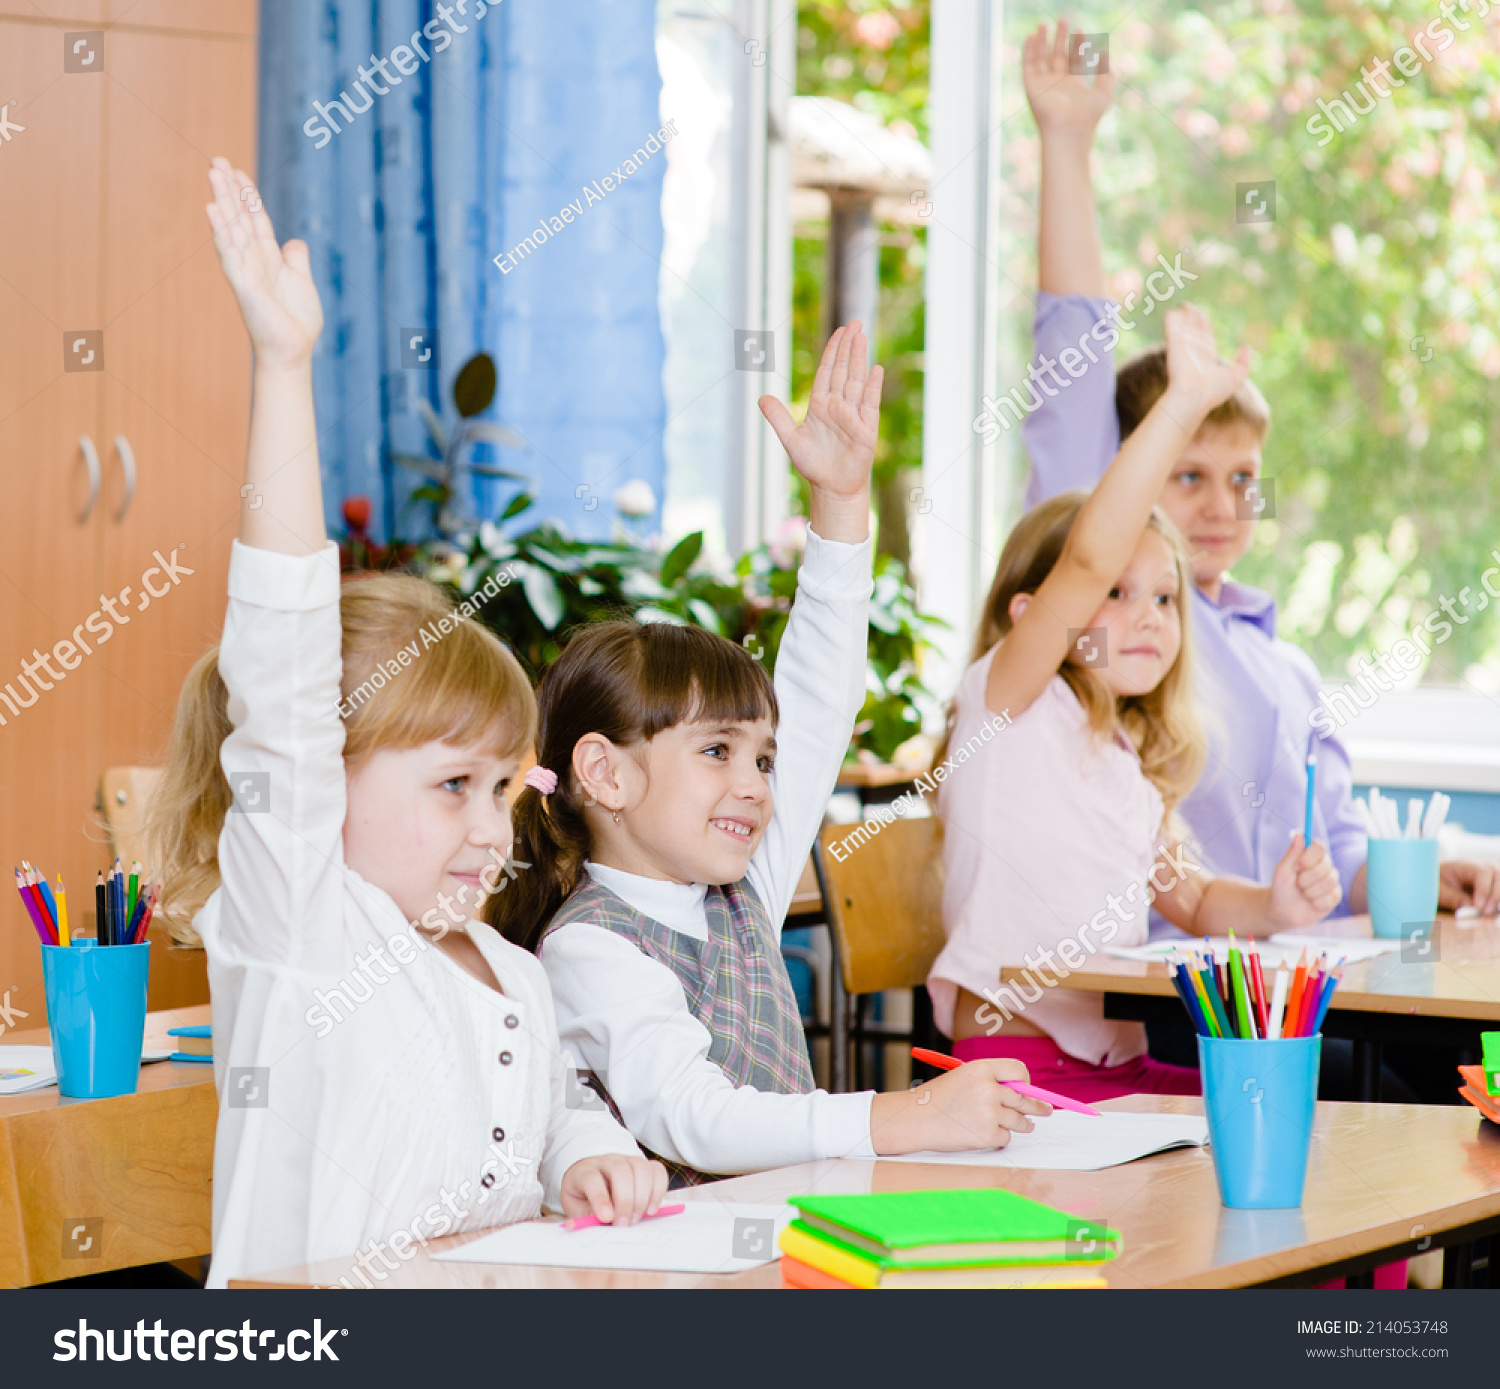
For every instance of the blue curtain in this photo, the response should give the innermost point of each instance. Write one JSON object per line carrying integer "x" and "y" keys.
{"x": 410, "y": 144}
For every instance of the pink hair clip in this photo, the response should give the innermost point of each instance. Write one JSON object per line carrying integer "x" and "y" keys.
{"x": 540, "y": 779}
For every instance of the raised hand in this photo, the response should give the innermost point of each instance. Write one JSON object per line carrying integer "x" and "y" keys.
{"x": 1062, "y": 102}
{"x": 274, "y": 284}
{"x": 834, "y": 446}
{"x": 1198, "y": 378}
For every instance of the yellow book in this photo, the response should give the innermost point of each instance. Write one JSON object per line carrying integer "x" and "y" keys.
{"x": 861, "y": 1272}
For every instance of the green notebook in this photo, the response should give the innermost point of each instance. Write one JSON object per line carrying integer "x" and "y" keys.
{"x": 971, "y": 1226}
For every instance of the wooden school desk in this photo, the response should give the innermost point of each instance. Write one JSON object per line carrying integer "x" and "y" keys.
{"x": 140, "y": 1165}
{"x": 1384, "y": 1182}
{"x": 1446, "y": 1002}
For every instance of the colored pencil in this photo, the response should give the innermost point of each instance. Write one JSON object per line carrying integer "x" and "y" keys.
{"x": 1294, "y": 995}
{"x": 135, "y": 891}
{"x": 28, "y": 878}
{"x": 44, "y": 889}
{"x": 101, "y": 911}
{"x": 31, "y": 909}
{"x": 49, "y": 921}
{"x": 117, "y": 907}
{"x": 140, "y": 931}
{"x": 1258, "y": 979}
{"x": 1209, "y": 1016}
{"x": 1216, "y": 1000}
{"x": 1278, "y": 1003}
{"x": 588, "y": 1222}
{"x": 1312, "y": 781}
{"x": 1327, "y": 1000}
{"x": 1178, "y": 974}
{"x": 1246, "y": 1021}
{"x": 952, "y": 1063}
{"x": 64, "y": 936}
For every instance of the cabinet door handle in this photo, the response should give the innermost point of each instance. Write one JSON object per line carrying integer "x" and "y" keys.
{"x": 127, "y": 461}
{"x": 96, "y": 476}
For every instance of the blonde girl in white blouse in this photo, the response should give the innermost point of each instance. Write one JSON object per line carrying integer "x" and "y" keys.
{"x": 381, "y": 1081}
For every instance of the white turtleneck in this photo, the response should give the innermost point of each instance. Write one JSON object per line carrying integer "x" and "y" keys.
{"x": 624, "y": 1017}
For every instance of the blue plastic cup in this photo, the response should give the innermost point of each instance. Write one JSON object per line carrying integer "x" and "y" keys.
{"x": 1401, "y": 881}
{"x": 96, "y": 1011}
{"x": 1260, "y": 1097}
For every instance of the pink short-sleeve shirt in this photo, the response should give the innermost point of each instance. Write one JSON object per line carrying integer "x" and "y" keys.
{"x": 1049, "y": 832}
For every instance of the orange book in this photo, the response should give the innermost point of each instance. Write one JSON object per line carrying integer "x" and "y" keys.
{"x": 796, "y": 1274}
{"x": 1474, "y": 1092}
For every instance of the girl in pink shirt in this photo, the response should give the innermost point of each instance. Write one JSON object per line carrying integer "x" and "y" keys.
{"x": 1057, "y": 828}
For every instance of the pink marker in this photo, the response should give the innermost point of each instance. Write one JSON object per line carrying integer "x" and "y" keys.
{"x": 1021, "y": 1087}
{"x": 585, "y": 1222}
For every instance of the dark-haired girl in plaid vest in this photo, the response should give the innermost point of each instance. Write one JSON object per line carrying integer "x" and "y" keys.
{"x": 661, "y": 835}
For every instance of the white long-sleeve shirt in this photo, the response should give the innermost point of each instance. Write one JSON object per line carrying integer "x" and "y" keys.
{"x": 624, "y": 1016}
{"x": 367, "y": 1084}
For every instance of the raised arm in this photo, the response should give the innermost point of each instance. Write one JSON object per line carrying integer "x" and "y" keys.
{"x": 1070, "y": 429}
{"x": 282, "y": 508}
{"x": 1067, "y": 109}
{"x": 820, "y": 670}
{"x": 1110, "y": 523}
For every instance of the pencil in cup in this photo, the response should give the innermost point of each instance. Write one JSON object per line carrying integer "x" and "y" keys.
{"x": 33, "y": 912}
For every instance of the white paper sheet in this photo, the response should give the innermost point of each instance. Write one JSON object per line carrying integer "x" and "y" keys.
{"x": 708, "y": 1237}
{"x": 1282, "y": 948}
{"x": 1069, "y": 1142}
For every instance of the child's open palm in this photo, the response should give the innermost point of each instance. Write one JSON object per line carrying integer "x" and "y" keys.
{"x": 274, "y": 284}
{"x": 1062, "y": 100}
{"x": 1198, "y": 378}
{"x": 834, "y": 446}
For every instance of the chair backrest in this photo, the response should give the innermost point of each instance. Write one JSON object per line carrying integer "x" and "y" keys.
{"x": 124, "y": 793}
{"x": 884, "y": 902}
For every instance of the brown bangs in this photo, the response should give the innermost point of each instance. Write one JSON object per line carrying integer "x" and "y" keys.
{"x": 688, "y": 675}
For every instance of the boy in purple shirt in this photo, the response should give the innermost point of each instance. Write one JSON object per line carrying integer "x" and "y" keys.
{"x": 1258, "y": 689}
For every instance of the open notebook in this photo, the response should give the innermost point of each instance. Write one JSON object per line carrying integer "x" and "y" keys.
{"x": 1081, "y": 1143}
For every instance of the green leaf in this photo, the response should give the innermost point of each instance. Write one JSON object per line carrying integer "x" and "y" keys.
{"x": 542, "y": 593}
{"x": 518, "y": 504}
{"x": 680, "y": 560}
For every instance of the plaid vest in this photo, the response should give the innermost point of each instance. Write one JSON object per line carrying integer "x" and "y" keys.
{"x": 735, "y": 984}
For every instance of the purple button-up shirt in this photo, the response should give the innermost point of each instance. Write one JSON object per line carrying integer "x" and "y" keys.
{"x": 1255, "y": 691}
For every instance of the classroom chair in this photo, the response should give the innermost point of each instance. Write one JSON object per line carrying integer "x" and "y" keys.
{"x": 883, "y": 904}
{"x": 179, "y": 974}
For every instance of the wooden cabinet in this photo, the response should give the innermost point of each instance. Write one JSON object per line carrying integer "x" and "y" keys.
{"x": 102, "y": 232}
